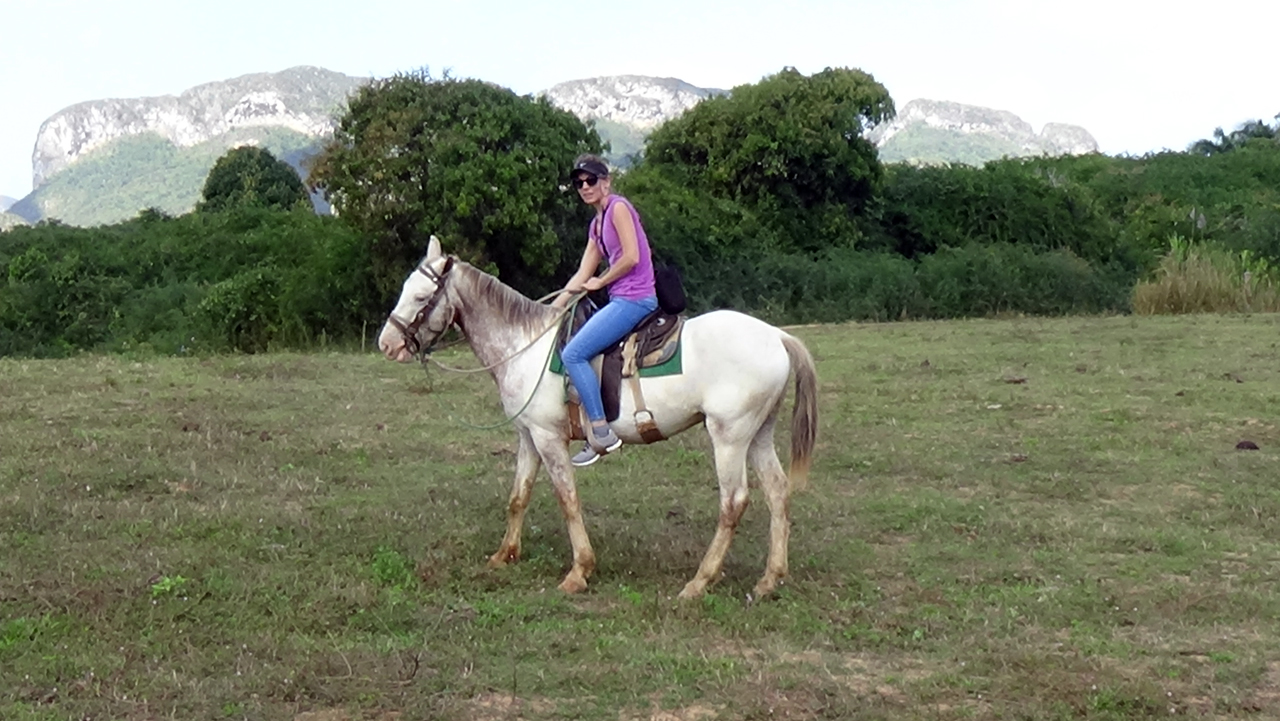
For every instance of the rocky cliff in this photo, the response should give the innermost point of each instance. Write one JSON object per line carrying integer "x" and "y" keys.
{"x": 9, "y": 220}
{"x": 636, "y": 101}
{"x": 1000, "y": 126}
{"x": 303, "y": 99}
{"x": 626, "y": 107}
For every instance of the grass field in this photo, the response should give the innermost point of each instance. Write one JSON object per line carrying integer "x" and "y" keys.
{"x": 1016, "y": 519}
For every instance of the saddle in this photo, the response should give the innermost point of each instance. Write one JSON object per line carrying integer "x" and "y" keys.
{"x": 654, "y": 341}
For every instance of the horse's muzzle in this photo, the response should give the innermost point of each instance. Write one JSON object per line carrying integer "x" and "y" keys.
{"x": 394, "y": 346}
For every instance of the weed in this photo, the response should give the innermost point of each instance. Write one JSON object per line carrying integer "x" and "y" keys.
{"x": 393, "y": 568}
{"x": 168, "y": 586}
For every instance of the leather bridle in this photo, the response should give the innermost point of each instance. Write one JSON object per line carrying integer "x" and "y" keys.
{"x": 410, "y": 330}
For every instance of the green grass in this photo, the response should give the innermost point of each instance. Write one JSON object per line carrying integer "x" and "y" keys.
{"x": 1018, "y": 518}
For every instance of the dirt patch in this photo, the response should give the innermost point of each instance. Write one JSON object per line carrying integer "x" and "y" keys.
{"x": 1267, "y": 695}
{"x": 502, "y": 707}
{"x": 332, "y": 714}
{"x": 866, "y": 675}
{"x": 696, "y": 712}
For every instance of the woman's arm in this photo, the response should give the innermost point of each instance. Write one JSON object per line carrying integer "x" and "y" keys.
{"x": 586, "y": 271}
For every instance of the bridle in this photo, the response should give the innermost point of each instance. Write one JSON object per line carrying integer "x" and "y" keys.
{"x": 409, "y": 330}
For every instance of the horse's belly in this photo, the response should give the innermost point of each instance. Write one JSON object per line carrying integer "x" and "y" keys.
{"x": 671, "y": 400}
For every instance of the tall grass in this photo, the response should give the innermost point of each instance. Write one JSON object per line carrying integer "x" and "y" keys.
{"x": 1203, "y": 278}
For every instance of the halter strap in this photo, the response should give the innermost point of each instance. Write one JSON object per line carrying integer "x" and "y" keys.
{"x": 409, "y": 331}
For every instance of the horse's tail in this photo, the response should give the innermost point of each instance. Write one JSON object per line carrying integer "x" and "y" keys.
{"x": 804, "y": 417}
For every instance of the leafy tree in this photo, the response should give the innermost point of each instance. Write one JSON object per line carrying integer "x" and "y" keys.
{"x": 249, "y": 176}
{"x": 790, "y": 148}
{"x": 1226, "y": 142}
{"x": 464, "y": 159}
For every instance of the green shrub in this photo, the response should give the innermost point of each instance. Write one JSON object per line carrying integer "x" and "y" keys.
{"x": 954, "y": 282}
{"x": 241, "y": 311}
{"x": 983, "y": 280}
{"x": 1202, "y": 278}
{"x": 245, "y": 280}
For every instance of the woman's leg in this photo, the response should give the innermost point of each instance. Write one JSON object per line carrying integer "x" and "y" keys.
{"x": 617, "y": 318}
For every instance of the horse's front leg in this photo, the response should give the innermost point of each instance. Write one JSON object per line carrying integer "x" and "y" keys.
{"x": 554, "y": 450}
{"x": 527, "y": 464}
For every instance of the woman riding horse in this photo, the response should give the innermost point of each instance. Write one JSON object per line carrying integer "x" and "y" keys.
{"x": 615, "y": 234}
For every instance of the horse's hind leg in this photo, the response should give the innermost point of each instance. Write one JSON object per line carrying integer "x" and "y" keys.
{"x": 527, "y": 464}
{"x": 776, "y": 488}
{"x": 731, "y": 467}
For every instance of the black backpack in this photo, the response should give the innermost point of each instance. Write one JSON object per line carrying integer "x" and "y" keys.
{"x": 670, "y": 288}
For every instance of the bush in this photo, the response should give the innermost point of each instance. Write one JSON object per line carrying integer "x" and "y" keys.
{"x": 840, "y": 286}
{"x": 925, "y": 209}
{"x": 984, "y": 280}
{"x": 953, "y": 283}
{"x": 245, "y": 280}
{"x": 1199, "y": 278}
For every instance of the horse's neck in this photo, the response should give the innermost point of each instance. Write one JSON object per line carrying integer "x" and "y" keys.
{"x": 497, "y": 320}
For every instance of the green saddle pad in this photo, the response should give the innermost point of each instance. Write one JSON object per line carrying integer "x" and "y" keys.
{"x": 670, "y": 367}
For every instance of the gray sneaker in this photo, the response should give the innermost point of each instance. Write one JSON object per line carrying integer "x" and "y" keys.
{"x": 595, "y": 447}
{"x": 608, "y": 443}
{"x": 585, "y": 457}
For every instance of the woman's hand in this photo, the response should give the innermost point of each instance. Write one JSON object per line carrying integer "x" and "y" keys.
{"x": 593, "y": 283}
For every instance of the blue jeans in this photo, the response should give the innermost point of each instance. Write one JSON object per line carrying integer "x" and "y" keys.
{"x": 608, "y": 326}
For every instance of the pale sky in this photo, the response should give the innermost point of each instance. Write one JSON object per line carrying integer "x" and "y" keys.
{"x": 1140, "y": 75}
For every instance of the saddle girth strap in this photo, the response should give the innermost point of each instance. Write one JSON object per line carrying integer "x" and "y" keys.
{"x": 645, "y": 425}
{"x": 577, "y": 421}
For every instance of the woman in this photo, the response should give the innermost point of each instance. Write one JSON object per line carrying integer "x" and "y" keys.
{"x": 615, "y": 235}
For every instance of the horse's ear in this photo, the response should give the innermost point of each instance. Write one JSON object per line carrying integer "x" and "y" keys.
{"x": 433, "y": 248}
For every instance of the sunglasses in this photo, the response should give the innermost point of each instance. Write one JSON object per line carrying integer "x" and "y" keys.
{"x": 580, "y": 181}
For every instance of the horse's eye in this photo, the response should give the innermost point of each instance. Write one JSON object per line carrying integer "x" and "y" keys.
{"x": 420, "y": 298}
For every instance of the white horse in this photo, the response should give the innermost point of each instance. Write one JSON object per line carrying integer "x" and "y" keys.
{"x": 735, "y": 373}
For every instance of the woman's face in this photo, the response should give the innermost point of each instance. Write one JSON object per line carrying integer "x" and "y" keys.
{"x": 591, "y": 188}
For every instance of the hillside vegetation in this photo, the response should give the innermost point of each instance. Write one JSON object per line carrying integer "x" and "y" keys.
{"x": 127, "y": 175}
{"x": 814, "y": 228}
{"x": 923, "y": 144}
{"x": 132, "y": 174}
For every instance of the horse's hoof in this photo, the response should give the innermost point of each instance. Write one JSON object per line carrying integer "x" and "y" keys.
{"x": 764, "y": 589}
{"x": 503, "y": 557}
{"x": 692, "y": 591}
{"x": 573, "y": 583}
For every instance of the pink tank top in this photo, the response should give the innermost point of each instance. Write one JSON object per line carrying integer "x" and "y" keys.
{"x": 637, "y": 284}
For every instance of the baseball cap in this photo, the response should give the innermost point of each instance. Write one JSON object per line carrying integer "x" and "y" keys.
{"x": 590, "y": 165}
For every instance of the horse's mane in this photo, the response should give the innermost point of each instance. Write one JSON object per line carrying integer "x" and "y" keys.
{"x": 507, "y": 302}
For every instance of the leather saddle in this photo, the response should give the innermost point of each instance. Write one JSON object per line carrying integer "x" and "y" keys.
{"x": 654, "y": 341}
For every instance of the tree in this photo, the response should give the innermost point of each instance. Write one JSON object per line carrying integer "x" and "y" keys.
{"x": 791, "y": 148}
{"x": 1226, "y": 142}
{"x": 252, "y": 177}
{"x": 466, "y": 160}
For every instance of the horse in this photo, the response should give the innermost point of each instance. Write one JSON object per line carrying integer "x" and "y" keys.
{"x": 734, "y": 380}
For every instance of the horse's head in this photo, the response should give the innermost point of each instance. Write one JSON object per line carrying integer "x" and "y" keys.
{"x": 423, "y": 311}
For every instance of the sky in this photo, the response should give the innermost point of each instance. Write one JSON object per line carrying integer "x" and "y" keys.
{"x": 1140, "y": 75}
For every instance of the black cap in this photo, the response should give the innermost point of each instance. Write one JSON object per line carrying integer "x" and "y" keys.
{"x": 595, "y": 167}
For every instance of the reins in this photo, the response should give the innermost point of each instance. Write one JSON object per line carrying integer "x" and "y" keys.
{"x": 560, "y": 318}
{"x": 409, "y": 331}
